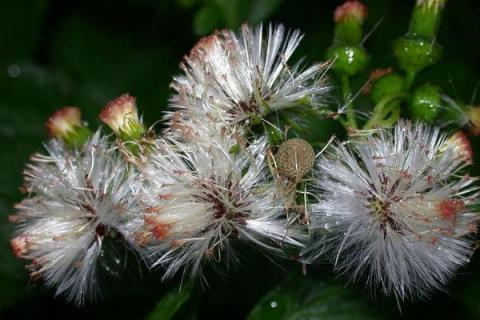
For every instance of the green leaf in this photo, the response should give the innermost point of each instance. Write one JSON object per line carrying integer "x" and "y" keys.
{"x": 312, "y": 297}
{"x": 171, "y": 303}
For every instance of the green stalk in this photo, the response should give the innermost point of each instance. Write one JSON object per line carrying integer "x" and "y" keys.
{"x": 409, "y": 78}
{"x": 381, "y": 110}
{"x": 348, "y": 103}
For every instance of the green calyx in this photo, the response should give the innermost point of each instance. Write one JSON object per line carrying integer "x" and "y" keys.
{"x": 387, "y": 85}
{"x": 349, "y": 18}
{"x": 415, "y": 54}
{"x": 348, "y": 32}
{"x": 424, "y": 104}
{"x": 348, "y": 60}
{"x": 133, "y": 134}
{"x": 388, "y": 92}
{"x": 76, "y": 137}
{"x": 133, "y": 130}
{"x": 426, "y": 18}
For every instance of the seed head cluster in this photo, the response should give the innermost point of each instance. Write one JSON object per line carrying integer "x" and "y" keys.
{"x": 394, "y": 207}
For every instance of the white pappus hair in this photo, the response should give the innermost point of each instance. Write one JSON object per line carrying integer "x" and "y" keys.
{"x": 245, "y": 74}
{"x": 77, "y": 199}
{"x": 395, "y": 209}
{"x": 199, "y": 196}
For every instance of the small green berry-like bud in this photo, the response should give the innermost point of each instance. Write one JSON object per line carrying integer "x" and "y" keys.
{"x": 348, "y": 60}
{"x": 414, "y": 54}
{"x": 425, "y": 18}
{"x": 66, "y": 124}
{"x": 295, "y": 158}
{"x": 121, "y": 116}
{"x": 425, "y": 103}
{"x": 349, "y": 18}
{"x": 386, "y": 85}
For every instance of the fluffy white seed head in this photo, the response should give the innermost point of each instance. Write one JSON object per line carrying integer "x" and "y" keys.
{"x": 77, "y": 199}
{"x": 246, "y": 74}
{"x": 200, "y": 197}
{"x": 395, "y": 208}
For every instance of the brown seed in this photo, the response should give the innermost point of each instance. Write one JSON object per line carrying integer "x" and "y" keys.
{"x": 295, "y": 158}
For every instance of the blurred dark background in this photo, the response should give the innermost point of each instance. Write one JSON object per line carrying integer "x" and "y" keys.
{"x": 84, "y": 53}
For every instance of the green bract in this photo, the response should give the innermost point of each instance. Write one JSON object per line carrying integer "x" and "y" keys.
{"x": 348, "y": 60}
{"x": 348, "y": 32}
{"x": 425, "y": 102}
{"x": 426, "y": 18}
{"x": 77, "y": 137}
{"x": 414, "y": 54}
{"x": 388, "y": 84}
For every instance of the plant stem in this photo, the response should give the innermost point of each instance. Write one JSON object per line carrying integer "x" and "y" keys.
{"x": 379, "y": 110}
{"x": 348, "y": 102}
{"x": 410, "y": 78}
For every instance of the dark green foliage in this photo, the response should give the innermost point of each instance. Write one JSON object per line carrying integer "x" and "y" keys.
{"x": 171, "y": 303}
{"x": 312, "y": 297}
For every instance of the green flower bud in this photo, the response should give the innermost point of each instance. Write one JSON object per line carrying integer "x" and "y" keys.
{"x": 121, "y": 116}
{"x": 349, "y": 18}
{"x": 66, "y": 124}
{"x": 424, "y": 104}
{"x": 425, "y": 18}
{"x": 414, "y": 54}
{"x": 348, "y": 60}
{"x": 386, "y": 85}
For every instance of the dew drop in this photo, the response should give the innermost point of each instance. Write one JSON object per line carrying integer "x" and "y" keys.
{"x": 273, "y": 304}
{"x": 14, "y": 70}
